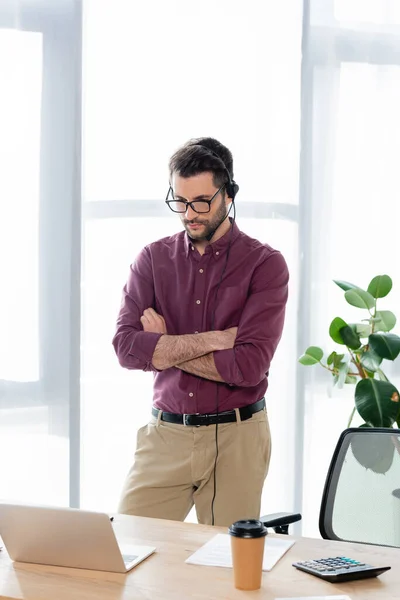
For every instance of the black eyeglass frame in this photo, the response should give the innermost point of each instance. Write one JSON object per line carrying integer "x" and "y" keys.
{"x": 186, "y": 203}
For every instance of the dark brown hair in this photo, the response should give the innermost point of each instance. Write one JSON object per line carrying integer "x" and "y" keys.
{"x": 198, "y": 156}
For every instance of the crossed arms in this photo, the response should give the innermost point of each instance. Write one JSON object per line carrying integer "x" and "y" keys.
{"x": 238, "y": 356}
{"x": 190, "y": 353}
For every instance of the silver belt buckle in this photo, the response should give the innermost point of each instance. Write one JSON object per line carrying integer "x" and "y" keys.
{"x": 186, "y": 418}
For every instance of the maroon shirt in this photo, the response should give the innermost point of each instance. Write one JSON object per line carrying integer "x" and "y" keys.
{"x": 173, "y": 278}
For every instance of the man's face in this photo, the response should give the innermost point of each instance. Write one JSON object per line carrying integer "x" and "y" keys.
{"x": 200, "y": 187}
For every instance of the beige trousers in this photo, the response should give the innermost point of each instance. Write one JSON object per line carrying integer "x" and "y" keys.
{"x": 174, "y": 468}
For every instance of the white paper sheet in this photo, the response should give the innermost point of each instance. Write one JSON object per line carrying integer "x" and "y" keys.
{"x": 217, "y": 552}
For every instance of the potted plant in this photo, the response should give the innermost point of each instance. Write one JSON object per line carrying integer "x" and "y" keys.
{"x": 366, "y": 344}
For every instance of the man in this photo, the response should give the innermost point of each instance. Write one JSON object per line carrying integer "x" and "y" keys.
{"x": 204, "y": 310}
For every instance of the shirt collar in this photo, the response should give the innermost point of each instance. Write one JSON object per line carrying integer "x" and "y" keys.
{"x": 220, "y": 246}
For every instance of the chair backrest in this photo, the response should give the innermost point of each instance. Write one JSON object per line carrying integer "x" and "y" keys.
{"x": 361, "y": 498}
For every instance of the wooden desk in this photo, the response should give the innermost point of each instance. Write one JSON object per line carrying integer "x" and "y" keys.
{"x": 164, "y": 575}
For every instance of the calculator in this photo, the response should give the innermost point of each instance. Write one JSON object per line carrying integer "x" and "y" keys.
{"x": 339, "y": 568}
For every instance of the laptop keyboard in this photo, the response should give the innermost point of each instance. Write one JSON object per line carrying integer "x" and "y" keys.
{"x": 128, "y": 558}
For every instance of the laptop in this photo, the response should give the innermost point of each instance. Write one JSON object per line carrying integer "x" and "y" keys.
{"x": 66, "y": 537}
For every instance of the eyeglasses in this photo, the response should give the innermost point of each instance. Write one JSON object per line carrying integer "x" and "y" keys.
{"x": 181, "y": 206}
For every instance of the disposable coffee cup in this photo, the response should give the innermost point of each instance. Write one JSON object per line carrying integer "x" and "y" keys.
{"x": 247, "y": 544}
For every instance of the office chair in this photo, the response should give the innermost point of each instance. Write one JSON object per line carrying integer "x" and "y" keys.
{"x": 361, "y": 498}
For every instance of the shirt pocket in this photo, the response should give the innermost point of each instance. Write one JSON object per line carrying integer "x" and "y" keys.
{"x": 230, "y": 303}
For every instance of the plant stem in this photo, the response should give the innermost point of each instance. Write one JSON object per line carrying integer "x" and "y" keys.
{"x": 335, "y": 371}
{"x": 351, "y": 417}
{"x": 360, "y": 370}
{"x": 373, "y": 317}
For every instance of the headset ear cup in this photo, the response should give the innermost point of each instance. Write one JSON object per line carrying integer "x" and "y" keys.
{"x": 234, "y": 188}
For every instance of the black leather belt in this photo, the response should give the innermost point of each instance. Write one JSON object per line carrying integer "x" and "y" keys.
{"x": 197, "y": 420}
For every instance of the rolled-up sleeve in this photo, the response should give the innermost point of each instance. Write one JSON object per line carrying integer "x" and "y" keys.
{"x": 260, "y": 327}
{"x": 133, "y": 346}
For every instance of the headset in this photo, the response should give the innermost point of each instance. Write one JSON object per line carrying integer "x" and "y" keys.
{"x": 232, "y": 189}
{"x": 231, "y": 186}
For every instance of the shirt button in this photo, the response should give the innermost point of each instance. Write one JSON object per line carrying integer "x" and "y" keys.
{"x": 201, "y": 270}
{"x": 217, "y": 253}
{"x": 191, "y": 394}
{"x": 198, "y": 302}
{"x": 192, "y": 247}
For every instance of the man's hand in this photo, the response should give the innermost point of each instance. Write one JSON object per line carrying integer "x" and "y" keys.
{"x": 153, "y": 322}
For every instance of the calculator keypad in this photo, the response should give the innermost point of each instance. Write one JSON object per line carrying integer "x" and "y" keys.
{"x": 333, "y": 565}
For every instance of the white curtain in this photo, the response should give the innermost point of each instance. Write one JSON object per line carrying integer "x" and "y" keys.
{"x": 350, "y": 187}
{"x": 39, "y": 180}
{"x": 306, "y": 95}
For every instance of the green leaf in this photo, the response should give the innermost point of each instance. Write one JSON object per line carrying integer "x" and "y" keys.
{"x": 386, "y": 345}
{"x": 382, "y": 375}
{"x": 360, "y": 298}
{"x": 350, "y": 338}
{"x": 371, "y": 361}
{"x": 372, "y": 451}
{"x": 380, "y": 286}
{"x": 385, "y": 320}
{"x": 311, "y": 356}
{"x": 334, "y": 330}
{"x": 377, "y": 402}
{"x": 345, "y": 285}
{"x": 351, "y": 379}
{"x": 330, "y": 358}
{"x": 363, "y": 330}
{"x": 371, "y": 374}
{"x": 335, "y": 359}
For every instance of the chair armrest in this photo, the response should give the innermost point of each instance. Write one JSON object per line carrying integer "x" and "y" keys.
{"x": 280, "y": 521}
